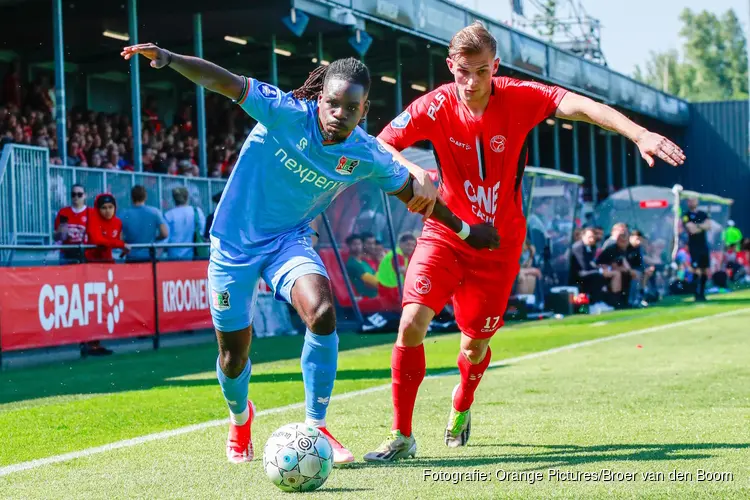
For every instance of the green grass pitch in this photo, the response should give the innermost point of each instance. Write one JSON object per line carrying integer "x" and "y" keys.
{"x": 635, "y": 416}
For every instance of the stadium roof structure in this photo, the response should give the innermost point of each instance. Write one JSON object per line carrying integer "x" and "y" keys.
{"x": 170, "y": 23}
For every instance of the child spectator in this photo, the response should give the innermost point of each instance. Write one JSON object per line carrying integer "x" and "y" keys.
{"x": 104, "y": 230}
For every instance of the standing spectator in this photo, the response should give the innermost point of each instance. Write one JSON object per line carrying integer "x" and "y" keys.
{"x": 216, "y": 198}
{"x": 637, "y": 262}
{"x": 184, "y": 222}
{"x": 697, "y": 223}
{"x": 360, "y": 272}
{"x": 142, "y": 224}
{"x": 104, "y": 230}
{"x": 70, "y": 225}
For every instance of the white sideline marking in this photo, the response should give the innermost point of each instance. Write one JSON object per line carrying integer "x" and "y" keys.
{"x": 65, "y": 457}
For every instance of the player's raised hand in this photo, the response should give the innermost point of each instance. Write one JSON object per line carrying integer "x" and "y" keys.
{"x": 425, "y": 195}
{"x": 651, "y": 144}
{"x": 483, "y": 236}
{"x": 159, "y": 57}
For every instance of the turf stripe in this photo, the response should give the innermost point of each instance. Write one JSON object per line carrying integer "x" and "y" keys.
{"x": 65, "y": 457}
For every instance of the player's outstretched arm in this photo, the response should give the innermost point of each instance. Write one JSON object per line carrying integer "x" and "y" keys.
{"x": 478, "y": 236}
{"x": 579, "y": 108}
{"x": 197, "y": 70}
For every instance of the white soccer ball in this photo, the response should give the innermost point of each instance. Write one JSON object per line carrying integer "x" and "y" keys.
{"x": 298, "y": 457}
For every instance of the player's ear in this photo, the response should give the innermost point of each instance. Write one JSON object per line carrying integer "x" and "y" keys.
{"x": 366, "y": 109}
{"x": 495, "y": 66}
{"x": 449, "y": 62}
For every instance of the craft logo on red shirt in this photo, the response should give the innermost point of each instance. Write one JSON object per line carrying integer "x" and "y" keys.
{"x": 497, "y": 143}
{"x": 435, "y": 105}
{"x": 423, "y": 285}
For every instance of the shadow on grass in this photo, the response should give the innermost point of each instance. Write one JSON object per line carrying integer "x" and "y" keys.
{"x": 552, "y": 456}
{"x": 149, "y": 369}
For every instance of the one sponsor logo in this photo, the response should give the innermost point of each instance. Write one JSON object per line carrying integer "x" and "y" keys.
{"x": 220, "y": 300}
{"x": 306, "y": 174}
{"x": 304, "y": 443}
{"x": 185, "y": 295}
{"x": 382, "y": 149}
{"x": 483, "y": 199}
{"x": 323, "y": 401}
{"x": 423, "y": 285}
{"x": 435, "y": 105}
{"x": 460, "y": 144}
{"x": 81, "y": 304}
{"x": 84, "y": 218}
{"x": 114, "y": 233}
{"x": 268, "y": 91}
{"x": 401, "y": 121}
{"x": 497, "y": 143}
{"x": 346, "y": 166}
{"x": 302, "y": 144}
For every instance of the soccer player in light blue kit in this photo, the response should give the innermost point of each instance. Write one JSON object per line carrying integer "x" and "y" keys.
{"x": 305, "y": 150}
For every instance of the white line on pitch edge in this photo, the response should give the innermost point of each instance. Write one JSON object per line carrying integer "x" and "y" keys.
{"x": 65, "y": 457}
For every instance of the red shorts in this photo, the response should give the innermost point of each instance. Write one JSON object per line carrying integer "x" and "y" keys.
{"x": 480, "y": 287}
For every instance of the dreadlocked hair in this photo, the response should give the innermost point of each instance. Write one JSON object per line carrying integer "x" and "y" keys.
{"x": 350, "y": 69}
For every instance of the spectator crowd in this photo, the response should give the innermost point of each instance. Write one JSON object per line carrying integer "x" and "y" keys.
{"x": 105, "y": 140}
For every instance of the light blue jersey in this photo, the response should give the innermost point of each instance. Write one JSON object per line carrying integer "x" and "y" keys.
{"x": 284, "y": 178}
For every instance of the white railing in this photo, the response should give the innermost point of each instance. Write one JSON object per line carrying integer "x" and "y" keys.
{"x": 32, "y": 191}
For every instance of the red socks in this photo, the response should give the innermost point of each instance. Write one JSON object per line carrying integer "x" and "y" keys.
{"x": 407, "y": 372}
{"x": 471, "y": 375}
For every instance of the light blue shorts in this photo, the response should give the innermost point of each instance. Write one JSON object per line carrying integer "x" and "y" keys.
{"x": 233, "y": 278}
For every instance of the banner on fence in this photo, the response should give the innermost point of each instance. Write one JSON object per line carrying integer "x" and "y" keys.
{"x": 49, "y": 306}
{"x": 183, "y": 295}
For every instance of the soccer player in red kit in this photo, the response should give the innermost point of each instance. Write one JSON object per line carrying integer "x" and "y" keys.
{"x": 478, "y": 126}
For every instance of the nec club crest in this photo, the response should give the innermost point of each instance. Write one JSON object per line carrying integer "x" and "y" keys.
{"x": 497, "y": 143}
{"x": 346, "y": 166}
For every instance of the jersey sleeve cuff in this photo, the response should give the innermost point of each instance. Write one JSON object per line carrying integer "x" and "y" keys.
{"x": 245, "y": 91}
{"x": 401, "y": 189}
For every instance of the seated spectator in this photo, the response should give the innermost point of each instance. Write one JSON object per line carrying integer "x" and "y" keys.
{"x": 527, "y": 274}
{"x": 142, "y": 224}
{"x": 371, "y": 255}
{"x": 617, "y": 230}
{"x": 586, "y": 274}
{"x": 184, "y": 222}
{"x": 614, "y": 263}
{"x": 70, "y": 225}
{"x": 361, "y": 274}
{"x": 407, "y": 243}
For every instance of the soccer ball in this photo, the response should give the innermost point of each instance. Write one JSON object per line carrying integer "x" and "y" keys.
{"x": 298, "y": 458}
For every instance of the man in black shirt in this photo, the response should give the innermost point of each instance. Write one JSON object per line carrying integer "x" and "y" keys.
{"x": 696, "y": 223}
{"x": 584, "y": 272}
{"x": 638, "y": 264}
{"x": 614, "y": 260}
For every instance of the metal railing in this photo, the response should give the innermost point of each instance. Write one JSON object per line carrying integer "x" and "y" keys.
{"x": 32, "y": 191}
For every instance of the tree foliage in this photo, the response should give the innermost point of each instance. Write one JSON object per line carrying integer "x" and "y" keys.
{"x": 713, "y": 63}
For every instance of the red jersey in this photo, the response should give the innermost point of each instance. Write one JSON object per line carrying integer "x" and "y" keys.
{"x": 77, "y": 223}
{"x": 106, "y": 234}
{"x": 480, "y": 160}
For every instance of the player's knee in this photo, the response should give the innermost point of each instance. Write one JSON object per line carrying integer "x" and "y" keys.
{"x": 412, "y": 331}
{"x": 474, "y": 353}
{"x": 322, "y": 318}
{"x": 232, "y": 363}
